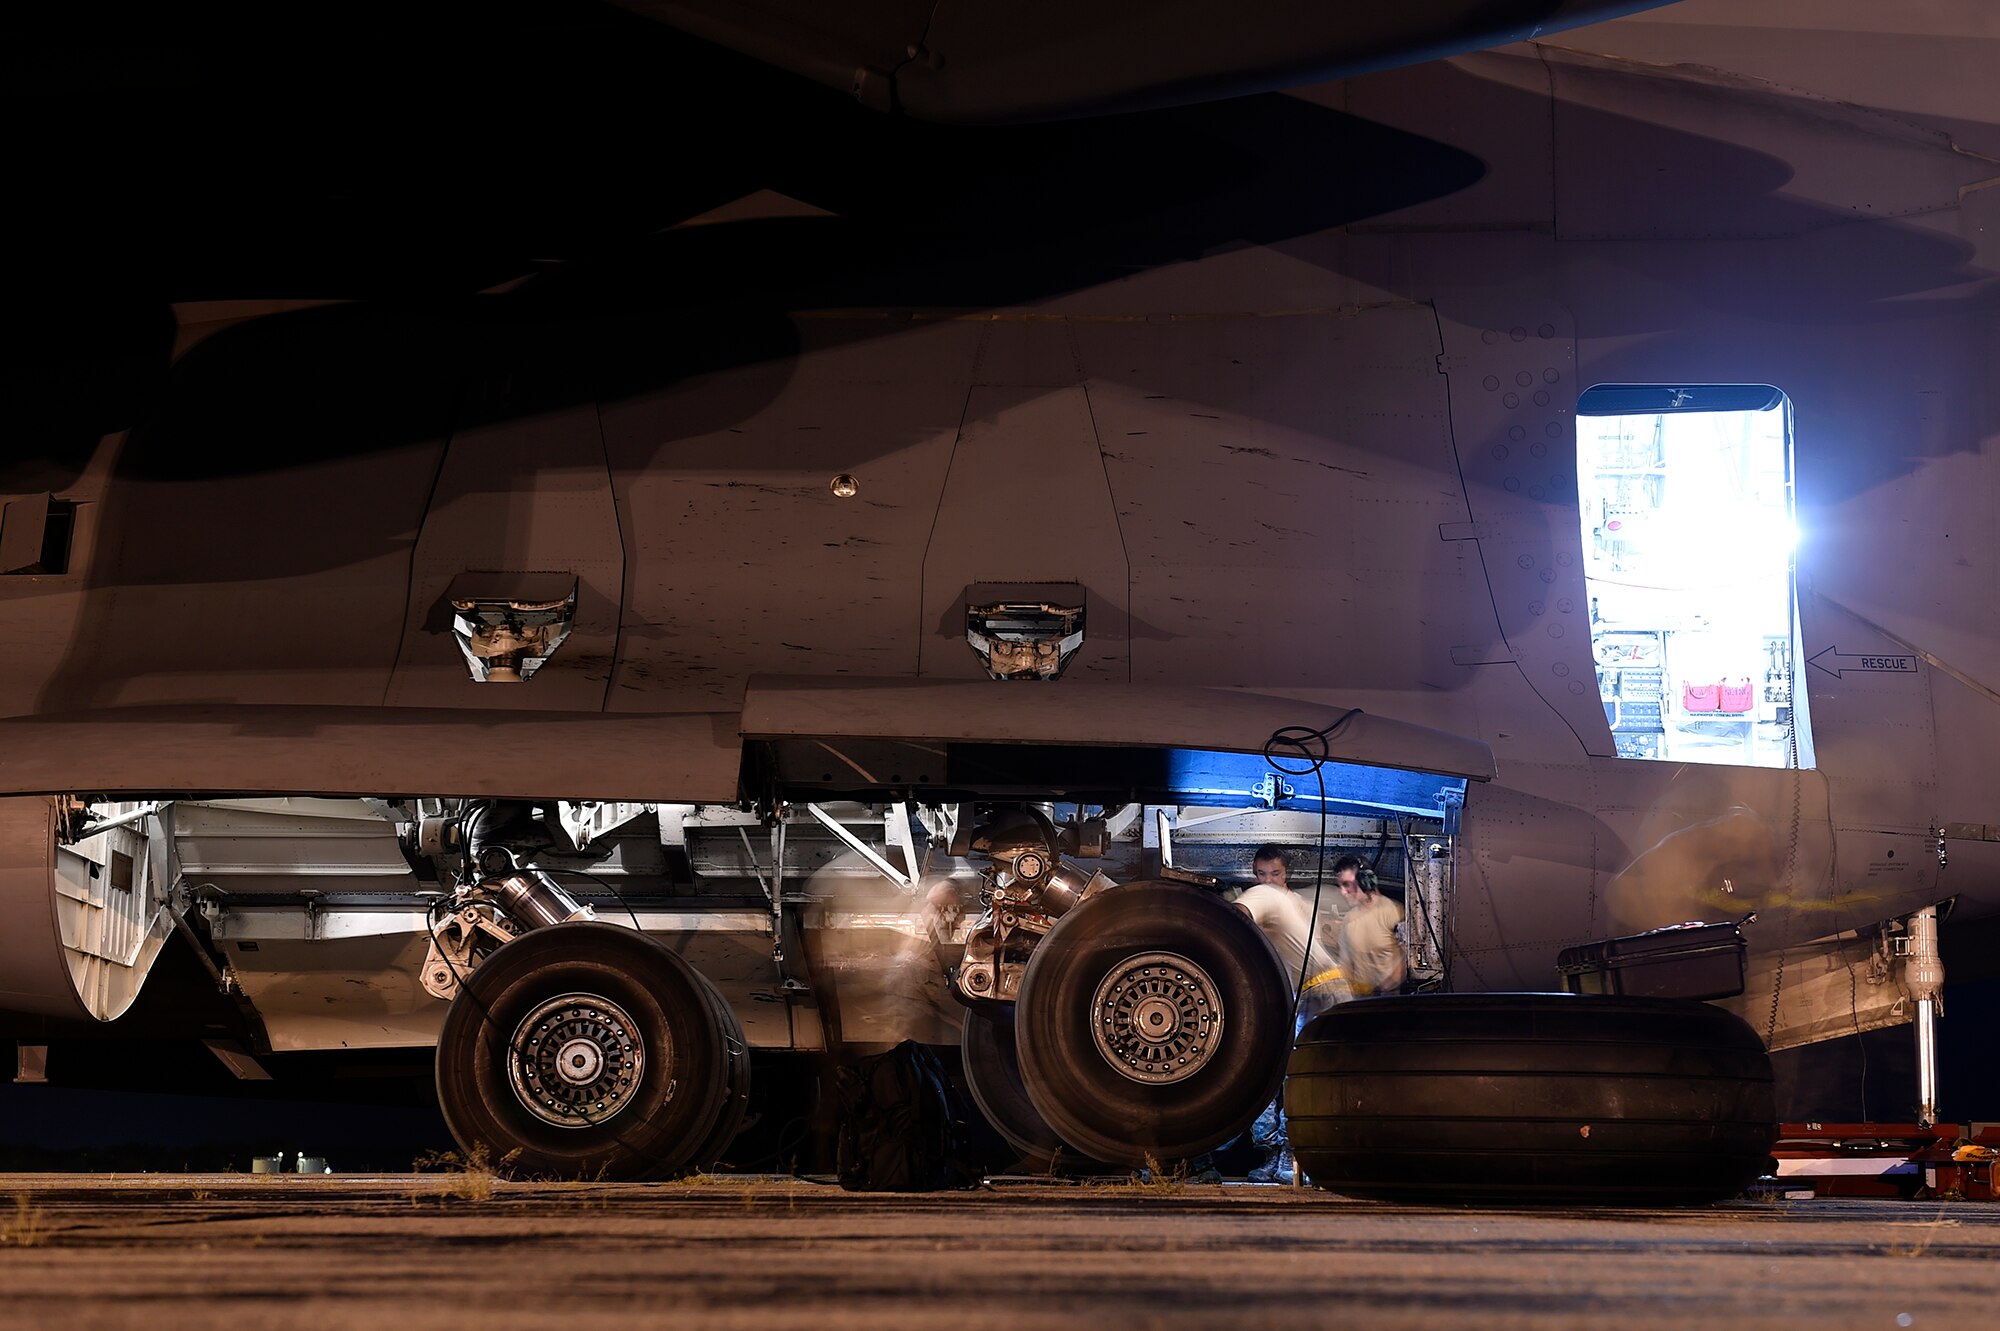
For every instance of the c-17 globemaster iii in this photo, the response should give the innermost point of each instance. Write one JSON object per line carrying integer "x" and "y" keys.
{"x": 715, "y": 533}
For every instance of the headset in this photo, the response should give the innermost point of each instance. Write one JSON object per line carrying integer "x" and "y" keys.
{"x": 1364, "y": 876}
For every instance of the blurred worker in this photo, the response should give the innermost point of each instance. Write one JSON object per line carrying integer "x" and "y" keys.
{"x": 943, "y": 907}
{"x": 1286, "y": 917}
{"x": 1371, "y": 956}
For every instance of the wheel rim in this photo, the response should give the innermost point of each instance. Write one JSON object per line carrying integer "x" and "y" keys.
{"x": 576, "y": 1060}
{"x": 1157, "y": 1018}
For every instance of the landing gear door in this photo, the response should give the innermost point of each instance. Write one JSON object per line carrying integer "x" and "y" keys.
{"x": 929, "y": 717}
{"x": 104, "y": 892}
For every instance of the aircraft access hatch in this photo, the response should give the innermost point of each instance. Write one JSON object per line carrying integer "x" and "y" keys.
{"x": 1687, "y": 503}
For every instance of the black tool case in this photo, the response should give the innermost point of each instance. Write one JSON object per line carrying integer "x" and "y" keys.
{"x": 1680, "y": 961}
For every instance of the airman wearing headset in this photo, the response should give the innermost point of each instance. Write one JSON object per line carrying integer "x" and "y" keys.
{"x": 1371, "y": 957}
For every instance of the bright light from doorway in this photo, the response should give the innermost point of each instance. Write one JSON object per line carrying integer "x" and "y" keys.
{"x": 1689, "y": 542}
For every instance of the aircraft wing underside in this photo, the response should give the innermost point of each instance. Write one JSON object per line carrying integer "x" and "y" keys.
{"x": 973, "y": 63}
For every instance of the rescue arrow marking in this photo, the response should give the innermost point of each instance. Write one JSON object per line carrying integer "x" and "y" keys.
{"x": 1881, "y": 665}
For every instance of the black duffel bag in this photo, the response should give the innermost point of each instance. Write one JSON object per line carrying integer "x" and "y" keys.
{"x": 902, "y": 1128}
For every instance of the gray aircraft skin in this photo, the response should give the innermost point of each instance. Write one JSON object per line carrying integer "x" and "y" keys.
{"x": 1278, "y": 372}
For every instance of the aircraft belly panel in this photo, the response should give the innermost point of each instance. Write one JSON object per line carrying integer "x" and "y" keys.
{"x": 1199, "y": 621}
{"x": 1284, "y": 487}
{"x": 1797, "y": 163}
{"x": 41, "y": 613}
{"x": 1951, "y": 611}
{"x": 367, "y": 751}
{"x": 1493, "y": 104}
{"x": 1873, "y": 727}
{"x": 742, "y": 559}
{"x": 1527, "y": 882}
{"x": 530, "y": 494}
{"x": 1966, "y": 717}
{"x": 324, "y": 636}
{"x": 41, "y": 616}
{"x": 1811, "y": 47}
{"x": 1512, "y": 367}
{"x": 1026, "y": 502}
{"x": 1713, "y": 842}
{"x": 281, "y": 576}
{"x": 1561, "y": 854}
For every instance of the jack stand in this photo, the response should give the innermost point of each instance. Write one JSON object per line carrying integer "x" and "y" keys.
{"x": 1923, "y": 977}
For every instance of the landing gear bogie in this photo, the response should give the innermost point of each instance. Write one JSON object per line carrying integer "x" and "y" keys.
{"x": 588, "y": 1050}
{"x": 1153, "y": 1024}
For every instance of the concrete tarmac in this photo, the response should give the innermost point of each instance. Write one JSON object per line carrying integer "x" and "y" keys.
{"x": 435, "y": 1251}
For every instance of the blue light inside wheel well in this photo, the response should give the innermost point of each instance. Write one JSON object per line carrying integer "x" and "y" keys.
{"x": 1241, "y": 780}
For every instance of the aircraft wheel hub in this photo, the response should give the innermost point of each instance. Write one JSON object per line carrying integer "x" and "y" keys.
{"x": 1158, "y": 1017}
{"x": 576, "y": 1060}
{"x": 579, "y": 1062}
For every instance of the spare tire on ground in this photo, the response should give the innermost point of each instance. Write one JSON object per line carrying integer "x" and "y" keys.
{"x": 1536, "y": 1098}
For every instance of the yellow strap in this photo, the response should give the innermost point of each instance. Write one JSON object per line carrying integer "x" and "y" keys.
{"x": 1324, "y": 977}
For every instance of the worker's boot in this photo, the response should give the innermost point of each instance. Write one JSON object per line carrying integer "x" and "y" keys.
{"x": 1280, "y": 1168}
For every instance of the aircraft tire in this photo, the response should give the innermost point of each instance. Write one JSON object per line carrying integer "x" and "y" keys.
{"x": 588, "y": 996}
{"x": 993, "y": 1075}
{"x": 736, "y": 1080}
{"x": 1536, "y": 1098}
{"x": 1121, "y": 1047}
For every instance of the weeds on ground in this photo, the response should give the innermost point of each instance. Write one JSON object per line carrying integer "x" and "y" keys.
{"x": 743, "y": 1185}
{"x": 1928, "y": 1235}
{"x": 587, "y": 1183}
{"x": 1159, "y": 1180}
{"x": 470, "y": 1176}
{"x": 752, "y": 1190}
{"x": 26, "y": 1228}
{"x": 1770, "y": 1195}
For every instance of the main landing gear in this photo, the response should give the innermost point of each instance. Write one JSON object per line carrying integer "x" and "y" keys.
{"x": 587, "y": 1050}
{"x": 1153, "y": 1024}
{"x": 1133, "y": 1025}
